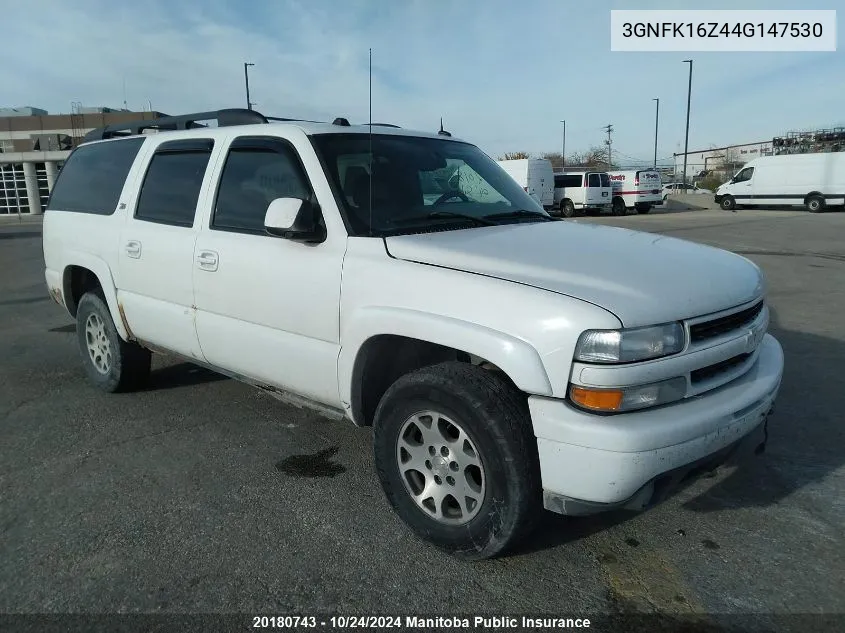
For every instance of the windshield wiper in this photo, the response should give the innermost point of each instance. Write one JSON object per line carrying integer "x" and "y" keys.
{"x": 520, "y": 213}
{"x": 441, "y": 215}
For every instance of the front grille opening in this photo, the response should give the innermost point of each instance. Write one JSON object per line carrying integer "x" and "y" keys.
{"x": 723, "y": 325}
{"x": 711, "y": 371}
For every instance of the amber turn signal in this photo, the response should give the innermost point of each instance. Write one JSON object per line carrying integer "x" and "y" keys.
{"x": 597, "y": 399}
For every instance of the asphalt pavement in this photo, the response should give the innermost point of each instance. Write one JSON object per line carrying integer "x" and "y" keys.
{"x": 202, "y": 494}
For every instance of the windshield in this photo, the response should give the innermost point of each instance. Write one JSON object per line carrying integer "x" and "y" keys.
{"x": 418, "y": 184}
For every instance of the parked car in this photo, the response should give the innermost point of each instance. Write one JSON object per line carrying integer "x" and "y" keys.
{"x": 670, "y": 188}
{"x": 535, "y": 176}
{"x": 814, "y": 181}
{"x": 582, "y": 191}
{"x": 506, "y": 361}
{"x": 638, "y": 190}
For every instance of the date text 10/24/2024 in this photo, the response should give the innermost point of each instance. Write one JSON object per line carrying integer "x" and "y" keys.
{"x": 401, "y": 622}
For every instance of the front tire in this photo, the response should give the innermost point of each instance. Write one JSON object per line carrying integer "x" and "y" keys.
{"x": 728, "y": 203}
{"x": 457, "y": 459}
{"x": 111, "y": 363}
{"x": 815, "y": 204}
{"x": 567, "y": 209}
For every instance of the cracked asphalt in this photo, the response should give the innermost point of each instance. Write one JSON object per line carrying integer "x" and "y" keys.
{"x": 201, "y": 494}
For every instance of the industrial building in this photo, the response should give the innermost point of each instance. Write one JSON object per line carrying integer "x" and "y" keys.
{"x": 726, "y": 161}
{"x": 720, "y": 160}
{"x": 34, "y": 144}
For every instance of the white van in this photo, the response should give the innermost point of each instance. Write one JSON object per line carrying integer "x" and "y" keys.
{"x": 810, "y": 180}
{"x": 581, "y": 191}
{"x": 638, "y": 190}
{"x": 535, "y": 176}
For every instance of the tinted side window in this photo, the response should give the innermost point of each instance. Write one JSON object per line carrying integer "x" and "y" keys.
{"x": 559, "y": 180}
{"x": 605, "y": 180}
{"x": 252, "y": 178}
{"x": 594, "y": 181}
{"x": 171, "y": 187}
{"x": 93, "y": 176}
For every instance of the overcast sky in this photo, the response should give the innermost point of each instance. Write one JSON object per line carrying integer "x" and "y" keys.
{"x": 501, "y": 73}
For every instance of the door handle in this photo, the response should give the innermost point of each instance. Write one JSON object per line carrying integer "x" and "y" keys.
{"x": 133, "y": 249}
{"x": 207, "y": 260}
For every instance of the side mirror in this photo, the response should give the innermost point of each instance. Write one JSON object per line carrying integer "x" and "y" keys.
{"x": 294, "y": 219}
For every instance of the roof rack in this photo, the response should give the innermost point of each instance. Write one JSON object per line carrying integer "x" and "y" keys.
{"x": 224, "y": 118}
{"x": 230, "y": 116}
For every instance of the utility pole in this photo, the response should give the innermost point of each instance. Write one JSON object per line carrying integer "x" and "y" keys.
{"x": 656, "y": 120}
{"x": 609, "y": 128}
{"x": 563, "y": 149}
{"x": 686, "y": 136}
{"x": 249, "y": 104}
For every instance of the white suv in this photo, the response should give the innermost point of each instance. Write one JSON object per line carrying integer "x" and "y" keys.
{"x": 506, "y": 360}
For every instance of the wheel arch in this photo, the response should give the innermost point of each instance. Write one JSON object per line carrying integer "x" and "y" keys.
{"x": 84, "y": 272}
{"x": 384, "y": 344}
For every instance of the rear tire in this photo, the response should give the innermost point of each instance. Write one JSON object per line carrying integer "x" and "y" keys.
{"x": 815, "y": 204}
{"x": 567, "y": 209}
{"x": 619, "y": 207}
{"x": 642, "y": 207}
{"x": 111, "y": 363}
{"x": 728, "y": 203}
{"x": 454, "y": 431}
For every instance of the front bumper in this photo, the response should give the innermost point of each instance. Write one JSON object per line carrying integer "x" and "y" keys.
{"x": 591, "y": 463}
{"x": 718, "y": 198}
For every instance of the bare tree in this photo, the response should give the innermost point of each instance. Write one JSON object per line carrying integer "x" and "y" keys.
{"x": 514, "y": 156}
{"x": 594, "y": 158}
{"x": 555, "y": 159}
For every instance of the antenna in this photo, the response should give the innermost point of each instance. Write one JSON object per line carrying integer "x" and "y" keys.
{"x": 124, "y": 94}
{"x": 371, "y": 143}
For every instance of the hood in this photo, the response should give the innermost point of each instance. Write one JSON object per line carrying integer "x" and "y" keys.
{"x": 642, "y": 278}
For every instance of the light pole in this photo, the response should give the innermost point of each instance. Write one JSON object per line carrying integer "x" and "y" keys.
{"x": 656, "y": 120}
{"x": 686, "y": 136}
{"x": 563, "y": 149}
{"x": 246, "y": 81}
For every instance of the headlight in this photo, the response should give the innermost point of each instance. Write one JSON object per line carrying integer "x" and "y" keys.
{"x": 627, "y": 346}
{"x": 629, "y": 398}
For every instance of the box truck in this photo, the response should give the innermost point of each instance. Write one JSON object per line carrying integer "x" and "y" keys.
{"x": 814, "y": 181}
{"x": 535, "y": 176}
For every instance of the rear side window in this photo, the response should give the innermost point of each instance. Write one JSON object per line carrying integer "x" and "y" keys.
{"x": 93, "y": 177}
{"x": 257, "y": 171}
{"x": 594, "y": 181}
{"x": 172, "y": 183}
{"x": 605, "y": 180}
{"x": 568, "y": 180}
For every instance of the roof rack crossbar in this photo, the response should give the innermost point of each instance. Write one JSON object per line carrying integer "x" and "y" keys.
{"x": 230, "y": 116}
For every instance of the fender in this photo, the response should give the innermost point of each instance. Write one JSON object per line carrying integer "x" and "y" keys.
{"x": 519, "y": 360}
{"x": 101, "y": 269}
